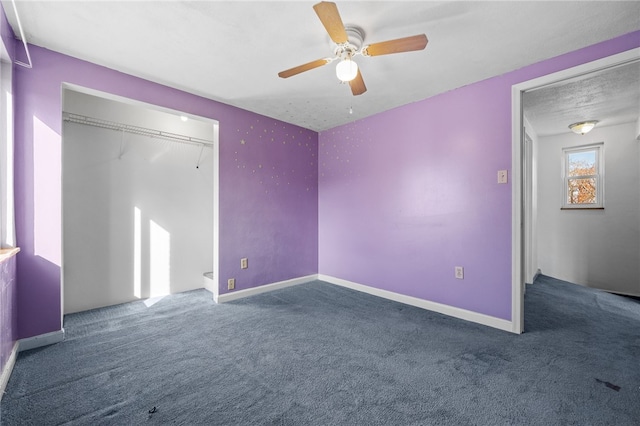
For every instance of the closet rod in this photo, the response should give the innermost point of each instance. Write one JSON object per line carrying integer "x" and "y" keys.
{"x": 136, "y": 130}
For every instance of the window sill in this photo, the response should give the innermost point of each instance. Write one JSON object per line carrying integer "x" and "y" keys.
{"x": 581, "y": 208}
{"x": 8, "y": 253}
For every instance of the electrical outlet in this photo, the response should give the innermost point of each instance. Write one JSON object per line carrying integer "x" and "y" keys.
{"x": 244, "y": 263}
{"x": 459, "y": 272}
{"x": 231, "y": 283}
{"x": 503, "y": 176}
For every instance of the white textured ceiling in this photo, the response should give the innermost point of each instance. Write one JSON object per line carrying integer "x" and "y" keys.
{"x": 611, "y": 96}
{"x": 232, "y": 51}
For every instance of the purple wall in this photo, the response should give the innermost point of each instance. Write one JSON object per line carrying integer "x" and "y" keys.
{"x": 8, "y": 282}
{"x": 268, "y": 184}
{"x": 8, "y": 302}
{"x": 408, "y": 194}
{"x": 404, "y": 196}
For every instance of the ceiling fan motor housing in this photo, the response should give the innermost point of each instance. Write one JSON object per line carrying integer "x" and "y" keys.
{"x": 355, "y": 38}
{"x": 347, "y": 41}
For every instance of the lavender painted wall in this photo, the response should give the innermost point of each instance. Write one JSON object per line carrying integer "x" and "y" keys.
{"x": 8, "y": 302}
{"x": 268, "y": 184}
{"x": 8, "y": 282}
{"x": 406, "y": 195}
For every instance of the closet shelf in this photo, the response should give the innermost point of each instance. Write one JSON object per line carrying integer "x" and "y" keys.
{"x": 136, "y": 130}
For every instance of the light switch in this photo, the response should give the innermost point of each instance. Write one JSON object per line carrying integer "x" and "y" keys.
{"x": 502, "y": 176}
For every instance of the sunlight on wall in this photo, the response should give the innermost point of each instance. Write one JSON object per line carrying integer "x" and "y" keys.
{"x": 47, "y": 172}
{"x": 137, "y": 253}
{"x": 159, "y": 262}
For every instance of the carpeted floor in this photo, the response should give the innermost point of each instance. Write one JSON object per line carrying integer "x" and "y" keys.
{"x": 318, "y": 354}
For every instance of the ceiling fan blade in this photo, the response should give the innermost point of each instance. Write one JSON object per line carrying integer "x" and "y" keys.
{"x": 328, "y": 13}
{"x": 357, "y": 85}
{"x": 302, "y": 68}
{"x": 406, "y": 44}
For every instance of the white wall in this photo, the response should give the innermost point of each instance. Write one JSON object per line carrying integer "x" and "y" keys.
{"x": 119, "y": 112}
{"x": 596, "y": 248}
{"x": 530, "y": 196}
{"x": 101, "y": 193}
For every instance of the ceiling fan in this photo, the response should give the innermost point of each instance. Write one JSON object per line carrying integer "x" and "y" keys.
{"x": 348, "y": 43}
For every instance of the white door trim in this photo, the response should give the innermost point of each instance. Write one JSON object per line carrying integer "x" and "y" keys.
{"x": 517, "y": 277}
{"x": 215, "y": 126}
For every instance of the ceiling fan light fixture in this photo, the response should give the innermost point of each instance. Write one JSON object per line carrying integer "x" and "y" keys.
{"x": 347, "y": 41}
{"x": 583, "y": 127}
{"x": 346, "y": 70}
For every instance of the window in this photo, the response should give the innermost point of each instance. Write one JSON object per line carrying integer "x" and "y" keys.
{"x": 583, "y": 177}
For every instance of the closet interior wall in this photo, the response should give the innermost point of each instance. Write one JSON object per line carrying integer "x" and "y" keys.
{"x": 137, "y": 207}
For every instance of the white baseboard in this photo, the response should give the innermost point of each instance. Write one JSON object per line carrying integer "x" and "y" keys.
{"x": 452, "y": 311}
{"x": 8, "y": 368}
{"x": 535, "y": 276}
{"x": 208, "y": 283}
{"x": 227, "y": 297}
{"x": 41, "y": 340}
{"x": 620, "y": 293}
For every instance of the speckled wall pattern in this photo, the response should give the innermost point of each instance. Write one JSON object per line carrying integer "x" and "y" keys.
{"x": 260, "y": 136}
{"x": 269, "y": 216}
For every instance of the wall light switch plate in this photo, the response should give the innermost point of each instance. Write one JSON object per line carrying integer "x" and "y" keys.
{"x": 244, "y": 263}
{"x": 503, "y": 176}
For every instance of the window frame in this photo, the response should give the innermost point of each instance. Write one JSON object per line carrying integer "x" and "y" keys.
{"x": 7, "y": 215}
{"x": 598, "y": 176}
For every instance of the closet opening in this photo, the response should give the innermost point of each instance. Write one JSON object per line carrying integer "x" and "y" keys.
{"x": 139, "y": 201}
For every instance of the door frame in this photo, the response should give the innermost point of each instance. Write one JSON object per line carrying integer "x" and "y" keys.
{"x": 517, "y": 159}
{"x": 215, "y": 127}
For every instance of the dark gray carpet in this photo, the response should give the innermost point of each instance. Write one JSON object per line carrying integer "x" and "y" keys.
{"x": 317, "y": 354}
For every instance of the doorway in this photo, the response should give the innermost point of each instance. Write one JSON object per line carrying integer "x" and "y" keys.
{"x": 522, "y": 203}
{"x": 139, "y": 200}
